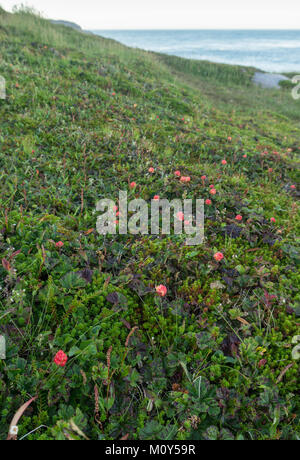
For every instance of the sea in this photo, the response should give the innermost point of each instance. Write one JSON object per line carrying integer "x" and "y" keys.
{"x": 267, "y": 50}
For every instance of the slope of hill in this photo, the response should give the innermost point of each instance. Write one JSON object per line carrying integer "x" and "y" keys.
{"x": 216, "y": 357}
{"x": 66, "y": 23}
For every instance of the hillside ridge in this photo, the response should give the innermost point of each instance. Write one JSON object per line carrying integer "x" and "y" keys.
{"x": 139, "y": 336}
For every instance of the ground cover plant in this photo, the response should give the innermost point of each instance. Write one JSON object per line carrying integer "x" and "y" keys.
{"x": 142, "y": 337}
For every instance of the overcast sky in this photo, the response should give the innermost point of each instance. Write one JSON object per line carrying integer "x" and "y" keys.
{"x": 171, "y": 14}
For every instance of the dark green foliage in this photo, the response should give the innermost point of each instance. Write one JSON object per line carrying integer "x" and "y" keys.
{"x": 83, "y": 118}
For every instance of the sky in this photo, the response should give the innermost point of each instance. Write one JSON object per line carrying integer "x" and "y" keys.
{"x": 170, "y": 14}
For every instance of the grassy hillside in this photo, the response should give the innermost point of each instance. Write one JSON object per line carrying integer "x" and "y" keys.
{"x": 213, "y": 359}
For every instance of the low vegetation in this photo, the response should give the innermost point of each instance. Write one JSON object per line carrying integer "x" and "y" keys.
{"x": 213, "y": 356}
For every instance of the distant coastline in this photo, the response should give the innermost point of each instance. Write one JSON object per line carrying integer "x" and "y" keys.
{"x": 269, "y": 50}
{"x": 59, "y": 22}
{"x": 72, "y": 25}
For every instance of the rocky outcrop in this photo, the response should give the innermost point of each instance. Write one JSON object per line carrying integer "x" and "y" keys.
{"x": 67, "y": 24}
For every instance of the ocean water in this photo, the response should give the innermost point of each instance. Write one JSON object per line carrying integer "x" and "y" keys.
{"x": 269, "y": 50}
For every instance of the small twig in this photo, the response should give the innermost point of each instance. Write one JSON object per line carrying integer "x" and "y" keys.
{"x": 33, "y": 431}
{"x": 130, "y": 335}
{"x": 282, "y": 374}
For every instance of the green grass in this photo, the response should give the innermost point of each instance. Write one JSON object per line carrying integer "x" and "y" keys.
{"x": 85, "y": 116}
{"x": 231, "y": 88}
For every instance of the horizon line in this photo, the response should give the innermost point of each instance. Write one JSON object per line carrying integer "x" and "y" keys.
{"x": 206, "y": 29}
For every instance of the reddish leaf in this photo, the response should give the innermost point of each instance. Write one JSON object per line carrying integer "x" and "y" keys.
{"x": 6, "y": 265}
